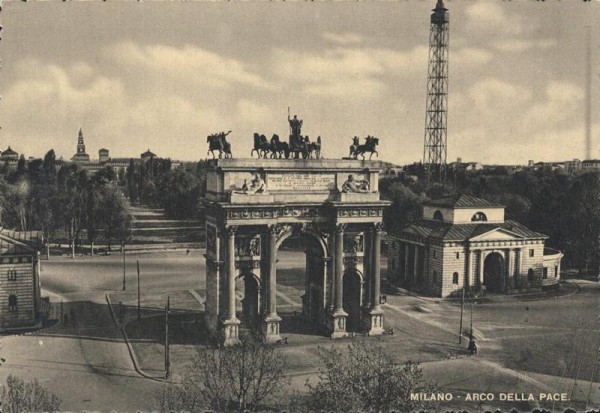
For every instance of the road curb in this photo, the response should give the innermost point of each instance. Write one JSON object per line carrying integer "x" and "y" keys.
{"x": 129, "y": 346}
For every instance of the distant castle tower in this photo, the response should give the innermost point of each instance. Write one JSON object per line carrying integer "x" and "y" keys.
{"x": 436, "y": 115}
{"x": 81, "y": 156}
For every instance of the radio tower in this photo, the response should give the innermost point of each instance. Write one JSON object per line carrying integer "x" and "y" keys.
{"x": 436, "y": 114}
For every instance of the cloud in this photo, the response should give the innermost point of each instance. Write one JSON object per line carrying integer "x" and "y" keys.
{"x": 344, "y": 38}
{"x": 496, "y": 97}
{"x": 519, "y": 45}
{"x": 187, "y": 65}
{"x": 491, "y": 17}
{"x": 348, "y": 72}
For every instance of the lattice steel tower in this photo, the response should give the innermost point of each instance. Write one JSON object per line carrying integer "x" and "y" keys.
{"x": 436, "y": 115}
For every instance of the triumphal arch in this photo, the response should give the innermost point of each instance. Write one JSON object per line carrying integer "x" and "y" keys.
{"x": 253, "y": 205}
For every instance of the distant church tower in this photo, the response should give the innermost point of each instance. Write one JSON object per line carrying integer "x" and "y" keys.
{"x": 436, "y": 115}
{"x": 81, "y": 156}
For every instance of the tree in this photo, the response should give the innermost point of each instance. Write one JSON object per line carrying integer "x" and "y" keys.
{"x": 20, "y": 396}
{"x": 231, "y": 378}
{"x": 365, "y": 378}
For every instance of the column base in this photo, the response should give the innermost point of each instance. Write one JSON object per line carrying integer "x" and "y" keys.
{"x": 271, "y": 328}
{"x": 373, "y": 321}
{"x": 231, "y": 332}
{"x": 336, "y": 324}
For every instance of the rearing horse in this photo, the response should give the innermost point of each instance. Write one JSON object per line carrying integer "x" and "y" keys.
{"x": 261, "y": 146}
{"x": 369, "y": 146}
{"x": 218, "y": 142}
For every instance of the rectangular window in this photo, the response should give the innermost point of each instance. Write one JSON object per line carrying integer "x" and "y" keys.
{"x": 12, "y": 303}
{"x": 457, "y": 255}
{"x": 545, "y": 275}
{"x": 455, "y": 278}
{"x": 12, "y": 275}
{"x": 434, "y": 254}
{"x": 531, "y": 252}
{"x": 555, "y": 271}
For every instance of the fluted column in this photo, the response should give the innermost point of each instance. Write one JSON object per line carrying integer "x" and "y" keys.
{"x": 376, "y": 262}
{"x": 231, "y": 322}
{"x": 271, "y": 322}
{"x": 480, "y": 272}
{"x": 374, "y": 318}
{"x": 339, "y": 268}
{"x": 231, "y": 231}
{"x": 337, "y": 320}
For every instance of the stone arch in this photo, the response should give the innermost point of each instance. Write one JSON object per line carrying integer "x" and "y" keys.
{"x": 494, "y": 269}
{"x": 438, "y": 216}
{"x": 309, "y": 232}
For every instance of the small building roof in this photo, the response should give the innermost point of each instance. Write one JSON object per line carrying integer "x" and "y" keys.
{"x": 463, "y": 201}
{"x": 445, "y": 231}
{"x": 148, "y": 154}
{"x": 9, "y": 151}
{"x": 19, "y": 242}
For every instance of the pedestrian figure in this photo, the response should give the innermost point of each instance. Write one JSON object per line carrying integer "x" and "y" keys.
{"x": 472, "y": 346}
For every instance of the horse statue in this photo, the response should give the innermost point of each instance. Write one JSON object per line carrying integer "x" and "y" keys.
{"x": 261, "y": 146}
{"x": 370, "y": 145}
{"x": 298, "y": 146}
{"x": 354, "y": 146}
{"x": 218, "y": 142}
{"x": 279, "y": 149}
{"x": 316, "y": 148}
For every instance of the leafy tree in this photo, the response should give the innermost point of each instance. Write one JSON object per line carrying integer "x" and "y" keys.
{"x": 20, "y": 396}
{"x": 365, "y": 378}
{"x": 232, "y": 378}
{"x": 405, "y": 208}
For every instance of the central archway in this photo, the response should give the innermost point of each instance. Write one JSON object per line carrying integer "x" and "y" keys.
{"x": 300, "y": 281}
{"x": 493, "y": 272}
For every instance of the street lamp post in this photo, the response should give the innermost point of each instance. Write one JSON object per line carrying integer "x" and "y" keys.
{"x": 139, "y": 312}
{"x": 123, "y": 267}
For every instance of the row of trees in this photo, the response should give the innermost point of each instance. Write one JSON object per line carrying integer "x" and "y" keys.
{"x": 177, "y": 191}
{"x": 253, "y": 376}
{"x": 564, "y": 207}
{"x": 65, "y": 202}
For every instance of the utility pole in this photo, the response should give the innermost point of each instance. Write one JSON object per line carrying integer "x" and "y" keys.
{"x": 123, "y": 267}
{"x": 139, "y": 312}
{"x": 167, "y": 361}
{"x": 471, "y": 319}
{"x": 462, "y": 304}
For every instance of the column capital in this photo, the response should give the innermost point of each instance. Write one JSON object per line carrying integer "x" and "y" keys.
{"x": 378, "y": 227}
{"x": 232, "y": 229}
{"x": 340, "y": 227}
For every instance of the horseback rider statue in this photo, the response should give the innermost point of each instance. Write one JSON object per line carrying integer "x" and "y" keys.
{"x": 218, "y": 142}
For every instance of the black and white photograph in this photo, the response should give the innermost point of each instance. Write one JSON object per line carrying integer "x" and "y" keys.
{"x": 300, "y": 206}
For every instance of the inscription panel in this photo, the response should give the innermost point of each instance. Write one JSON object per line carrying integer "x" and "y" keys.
{"x": 301, "y": 182}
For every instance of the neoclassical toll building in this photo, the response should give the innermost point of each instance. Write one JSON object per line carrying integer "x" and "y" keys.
{"x": 20, "y": 299}
{"x": 464, "y": 241}
{"x": 253, "y": 205}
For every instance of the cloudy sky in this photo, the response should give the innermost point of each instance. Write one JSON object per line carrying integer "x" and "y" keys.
{"x": 163, "y": 75}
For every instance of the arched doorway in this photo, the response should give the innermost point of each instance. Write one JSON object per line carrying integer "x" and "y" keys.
{"x": 300, "y": 280}
{"x": 351, "y": 300}
{"x": 249, "y": 287}
{"x": 493, "y": 272}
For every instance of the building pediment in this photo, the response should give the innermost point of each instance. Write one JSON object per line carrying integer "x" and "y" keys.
{"x": 497, "y": 234}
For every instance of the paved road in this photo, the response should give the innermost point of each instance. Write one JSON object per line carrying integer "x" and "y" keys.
{"x": 85, "y": 360}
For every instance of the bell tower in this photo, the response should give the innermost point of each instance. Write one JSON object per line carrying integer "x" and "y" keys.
{"x": 80, "y": 156}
